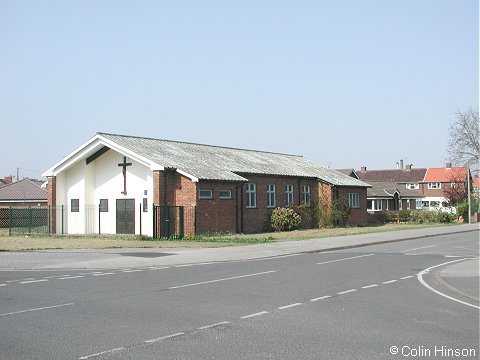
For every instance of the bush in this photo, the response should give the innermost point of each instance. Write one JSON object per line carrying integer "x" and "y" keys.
{"x": 283, "y": 219}
{"x": 462, "y": 210}
{"x": 382, "y": 218}
{"x": 445, "y": 217}
{"x": 308, "y": 215}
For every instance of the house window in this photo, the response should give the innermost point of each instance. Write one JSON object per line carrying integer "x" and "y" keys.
{"x": 225, "y": 194}
{"x": 145, "y": 205}
{"x": 288, "y": 195}
{"x": 205, "y": 194}
{"x": 74, "y": 205}
{"x": 408, "y": 204}
{"x": 271, "y": 196}
{"x": 412, "y": 186}
{"x": 103, "y": 205}
{"x": 306, "y": 195}
{"x": 251, "y": 191}
{"x": 434, "y": 185}
{"x": 400, "y": 204}
{"x": 375, "y": 205}
{"x": 354, "y": 200}
{"x": 418, "y": 204}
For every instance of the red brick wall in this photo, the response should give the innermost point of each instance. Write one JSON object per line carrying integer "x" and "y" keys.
{"x": 217, "y": 215}
{"x": 232, "y": 215}
{"x": 52, "y": 201}
{"x": 257, "y": 219}
{"x": 358, "y": 216}
{"x": 180, "y": 191}
{"x": 52, "y": 191}
{"x": 439, "y": 192}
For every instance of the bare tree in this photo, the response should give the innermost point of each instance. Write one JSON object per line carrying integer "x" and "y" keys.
{"x": 464, "y": 143}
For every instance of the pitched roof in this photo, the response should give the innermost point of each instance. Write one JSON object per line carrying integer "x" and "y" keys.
{"x": 388, "y": 189}
{"x": 207, "y": 162}
{"x": 22, "y": 190}
{"x": 446, "y": 174}
{"x": 349, "y": 172}
{"x": 393, "y": 175}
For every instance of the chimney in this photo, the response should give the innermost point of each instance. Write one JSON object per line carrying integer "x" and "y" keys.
{"x": 409, "y": 167}
{"x": 448, "y": 165}
{"x": 363, "y": 168}
{"x": 401, "y": 164}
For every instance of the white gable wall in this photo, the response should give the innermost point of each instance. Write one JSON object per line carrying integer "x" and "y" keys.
{"x": 103, "y": 179}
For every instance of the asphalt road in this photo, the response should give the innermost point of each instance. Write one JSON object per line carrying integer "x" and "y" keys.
{"x": 374, "y": 302}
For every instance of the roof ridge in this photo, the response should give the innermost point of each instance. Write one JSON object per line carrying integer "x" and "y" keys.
{"x": 206, "y": 145}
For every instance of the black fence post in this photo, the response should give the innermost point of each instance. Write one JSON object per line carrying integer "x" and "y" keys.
{"x": 154, "y": 222}
{"x": 182, "y": 228}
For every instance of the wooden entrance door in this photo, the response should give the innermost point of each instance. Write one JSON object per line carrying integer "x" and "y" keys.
{"x": 125, "y": 216}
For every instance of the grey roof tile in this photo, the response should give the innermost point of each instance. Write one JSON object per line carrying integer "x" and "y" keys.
{"x": 22, "y": 190}
{"x": 206, "y": 162}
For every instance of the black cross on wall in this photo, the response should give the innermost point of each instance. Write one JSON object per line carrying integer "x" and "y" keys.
{"x": 124, "y": 172}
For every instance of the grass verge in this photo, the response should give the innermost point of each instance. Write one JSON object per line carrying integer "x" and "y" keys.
{"x": 19, "y": 243}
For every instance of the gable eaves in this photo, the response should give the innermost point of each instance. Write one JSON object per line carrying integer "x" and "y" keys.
{"x": 91, "y": 146}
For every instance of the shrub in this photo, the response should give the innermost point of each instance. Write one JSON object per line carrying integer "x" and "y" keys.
{"x": 445, "y": 217}
{"x": 382, "y": 218}
{"x": 462, "y": 210}
{"x": 308, "y": 214}
{"x": 283, "y": 219}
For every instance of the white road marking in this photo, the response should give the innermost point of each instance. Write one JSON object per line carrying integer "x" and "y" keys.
{"x": 320, "y": 298}
{"x": 346, "y": 291}
{"x": 423, "y": 247}
{"x": 164, "y": 337}
{"x": 288, "y": 306}
{"x": 423, "y": 272}
{"x": 157, "y": 267}
{"x": 101, "y": 353}
{"x": 453, "y": 256}
{"x": 102, "y": 274}
{"x": 37, "y": 309}
{"x": 12, "y": 281}
{"x": 3, "y": 284}
{"x": 369, "y": 286}
{"x": 131, "y": 271}
{"x": 389, "y": 282}
{"x": 343, "y": 259}
{"x": 70, "y": 277}
{"x": 254, "y": 315}
{"x": 406, "y": 277}
{"x": 224, "y": 279}
{"x": 32, "y": 281}
{"x": 92, "y": 273}
{"x": 213, "y": 325}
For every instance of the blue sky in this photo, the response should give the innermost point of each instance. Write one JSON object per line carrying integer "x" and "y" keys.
{"x": 344, "y": 83}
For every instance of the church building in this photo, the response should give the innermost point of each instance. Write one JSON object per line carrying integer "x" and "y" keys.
{"x": 116, "y": 184}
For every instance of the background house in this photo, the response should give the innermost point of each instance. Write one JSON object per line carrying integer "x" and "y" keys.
{"x": 427, "y": 186}
{"x": 389, "y": 196}
{"x": 23, "y": 193}
{"x": 135, "y": 185}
